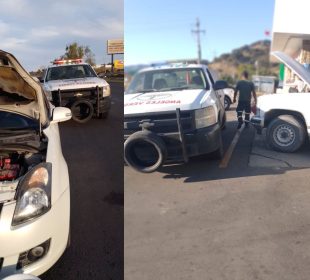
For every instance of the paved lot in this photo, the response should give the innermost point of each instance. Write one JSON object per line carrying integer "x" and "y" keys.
{"x": 94, "y": 155}
{"x": 248, "y": 221}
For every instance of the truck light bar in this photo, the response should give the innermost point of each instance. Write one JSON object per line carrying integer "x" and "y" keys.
{"x": 67, "y": 61}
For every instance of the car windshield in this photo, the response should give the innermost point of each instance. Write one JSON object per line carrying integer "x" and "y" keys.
{"x": 168, "y": 80}
{"x": 69, "y": 72}
{"x": 13, "y": 121}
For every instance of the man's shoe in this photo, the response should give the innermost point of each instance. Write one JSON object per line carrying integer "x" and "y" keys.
{"x": 239, "y": 125}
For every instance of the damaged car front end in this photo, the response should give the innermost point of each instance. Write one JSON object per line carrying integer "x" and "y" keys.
{"x": 34, "y": 181}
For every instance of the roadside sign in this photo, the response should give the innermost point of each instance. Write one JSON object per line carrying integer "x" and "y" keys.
{"x": 119, "y": 64}
{"x": 115, "y": 46}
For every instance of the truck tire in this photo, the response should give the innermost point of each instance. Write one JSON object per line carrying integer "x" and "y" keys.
{"x": 82, "y": 111}
{"x": 145, "y": 151}
{"x": 286, "y": 134}
{"x": 227, "y": 103}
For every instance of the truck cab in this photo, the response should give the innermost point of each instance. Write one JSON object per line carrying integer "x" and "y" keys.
{"x": 172, "y": 113}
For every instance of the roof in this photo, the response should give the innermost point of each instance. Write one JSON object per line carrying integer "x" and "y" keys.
{"x": 58, "y": 65}
{"x": 173, "y": 66}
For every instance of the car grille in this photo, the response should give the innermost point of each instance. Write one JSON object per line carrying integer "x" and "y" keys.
{"x": 159, "y": 123}
{"x": 70, "y": 95}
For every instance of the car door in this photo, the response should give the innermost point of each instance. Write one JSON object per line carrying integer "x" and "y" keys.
{"x": 219, "y": 93}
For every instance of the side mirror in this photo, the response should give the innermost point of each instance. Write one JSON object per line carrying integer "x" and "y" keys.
{"x": 220, "y": 85}
{"x": 61, "y": 114}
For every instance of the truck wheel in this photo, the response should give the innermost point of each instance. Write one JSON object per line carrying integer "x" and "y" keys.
{"x": 82, "y": 111}
{"x": 145, "y": 151}
{"x": 286, "y": 134}
{"x": 227, "y": 103}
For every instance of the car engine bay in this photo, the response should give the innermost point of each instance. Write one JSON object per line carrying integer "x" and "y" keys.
{"x": 15, "y": 164}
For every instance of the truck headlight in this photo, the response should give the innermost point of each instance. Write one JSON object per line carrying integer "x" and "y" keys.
{"x": 33, "y": 196}
{"x": 205, "y": 117}
{"x": 106, "y": 91}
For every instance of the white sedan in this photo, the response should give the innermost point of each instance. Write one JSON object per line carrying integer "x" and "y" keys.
{"x": 34, "y": 181}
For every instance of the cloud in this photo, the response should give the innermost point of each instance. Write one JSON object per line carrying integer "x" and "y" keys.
{"x": 12, "y": 44}
{"x": 38, "y": 32}
{"x": 44, "y": 32}
{"x": 4, "y": 28}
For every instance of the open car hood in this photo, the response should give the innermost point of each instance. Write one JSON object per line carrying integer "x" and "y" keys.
{"x": 294, "y": 65}
{"x": 19, "y": 92}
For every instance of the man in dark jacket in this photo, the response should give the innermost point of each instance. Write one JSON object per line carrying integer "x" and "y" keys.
{"x": 245, "y": 89}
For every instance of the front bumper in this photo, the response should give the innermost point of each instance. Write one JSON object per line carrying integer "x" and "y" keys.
{"x": 258, "y": 123}
{"x": 104, "y": 104}
{"x": 198, "y": 142}
{"x": 181, "y": 146}
{"x": 66, "y": 98}
{"x": 53, "y": 225}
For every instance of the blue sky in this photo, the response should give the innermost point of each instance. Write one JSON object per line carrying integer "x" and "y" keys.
{"x": 161, "y": 29}
{"x": 37, "y": 31}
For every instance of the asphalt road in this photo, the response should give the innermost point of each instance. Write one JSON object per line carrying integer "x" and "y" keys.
{"x": 200, "y": 221}
{"x": 94, "y": 155}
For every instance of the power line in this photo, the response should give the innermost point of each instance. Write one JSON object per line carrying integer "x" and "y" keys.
{"x": 197, "y": 31}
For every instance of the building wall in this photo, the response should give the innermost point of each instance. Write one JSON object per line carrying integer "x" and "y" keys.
{"x": 291, "y": 16}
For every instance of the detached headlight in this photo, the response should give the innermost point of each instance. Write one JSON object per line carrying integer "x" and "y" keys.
{"x": 33, "y": 197}
{"x": 205, "y": 117}
{"x": 106, "y": 91}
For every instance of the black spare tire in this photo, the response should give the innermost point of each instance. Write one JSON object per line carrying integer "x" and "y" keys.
{"x": 82, "y": 111}
{"x": 145, "y": 151}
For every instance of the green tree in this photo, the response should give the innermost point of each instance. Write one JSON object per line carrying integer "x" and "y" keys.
{"x": 74, "y": 50}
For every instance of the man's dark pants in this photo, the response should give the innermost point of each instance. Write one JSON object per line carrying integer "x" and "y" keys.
{"x": 244, "y": 106}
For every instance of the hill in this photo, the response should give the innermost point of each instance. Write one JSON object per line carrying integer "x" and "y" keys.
{"x": 254, "y": 58}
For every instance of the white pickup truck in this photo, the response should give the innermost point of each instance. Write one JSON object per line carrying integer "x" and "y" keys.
{"x": 171, "y": 113}
{"x": 286, "y": 115}
{"x": 74, "y": 84}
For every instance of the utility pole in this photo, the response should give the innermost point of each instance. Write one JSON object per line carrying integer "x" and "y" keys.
{"x": 197, "y": 31}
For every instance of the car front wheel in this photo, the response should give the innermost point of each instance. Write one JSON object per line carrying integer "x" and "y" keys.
{"x": 286, "y": 134}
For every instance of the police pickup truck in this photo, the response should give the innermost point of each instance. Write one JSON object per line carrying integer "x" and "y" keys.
{"x": 286, "y": 116}
{"x": 172, "y": 112}
{"x": 75, "y": 84}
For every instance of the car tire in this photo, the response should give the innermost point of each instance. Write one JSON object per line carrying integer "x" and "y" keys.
{"x": 76, "y": 108}
{"x": 286, "y": 134}
{"x": 152, "y": 140}
{"x": 227, "y": 103}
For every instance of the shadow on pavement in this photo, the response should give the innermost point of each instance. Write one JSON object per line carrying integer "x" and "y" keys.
{"x": 202, "y": 168}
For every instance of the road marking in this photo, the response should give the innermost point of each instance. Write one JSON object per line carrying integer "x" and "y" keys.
{"x": 228, "y": 154}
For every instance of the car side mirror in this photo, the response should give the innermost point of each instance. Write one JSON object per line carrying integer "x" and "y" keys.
{"x": 220, "y": 85}
{"x": 61, "y": 114}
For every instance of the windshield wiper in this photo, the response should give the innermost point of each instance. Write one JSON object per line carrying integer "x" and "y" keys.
{"x": 176, "y": 88}
{"x": 147, "y": 90}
